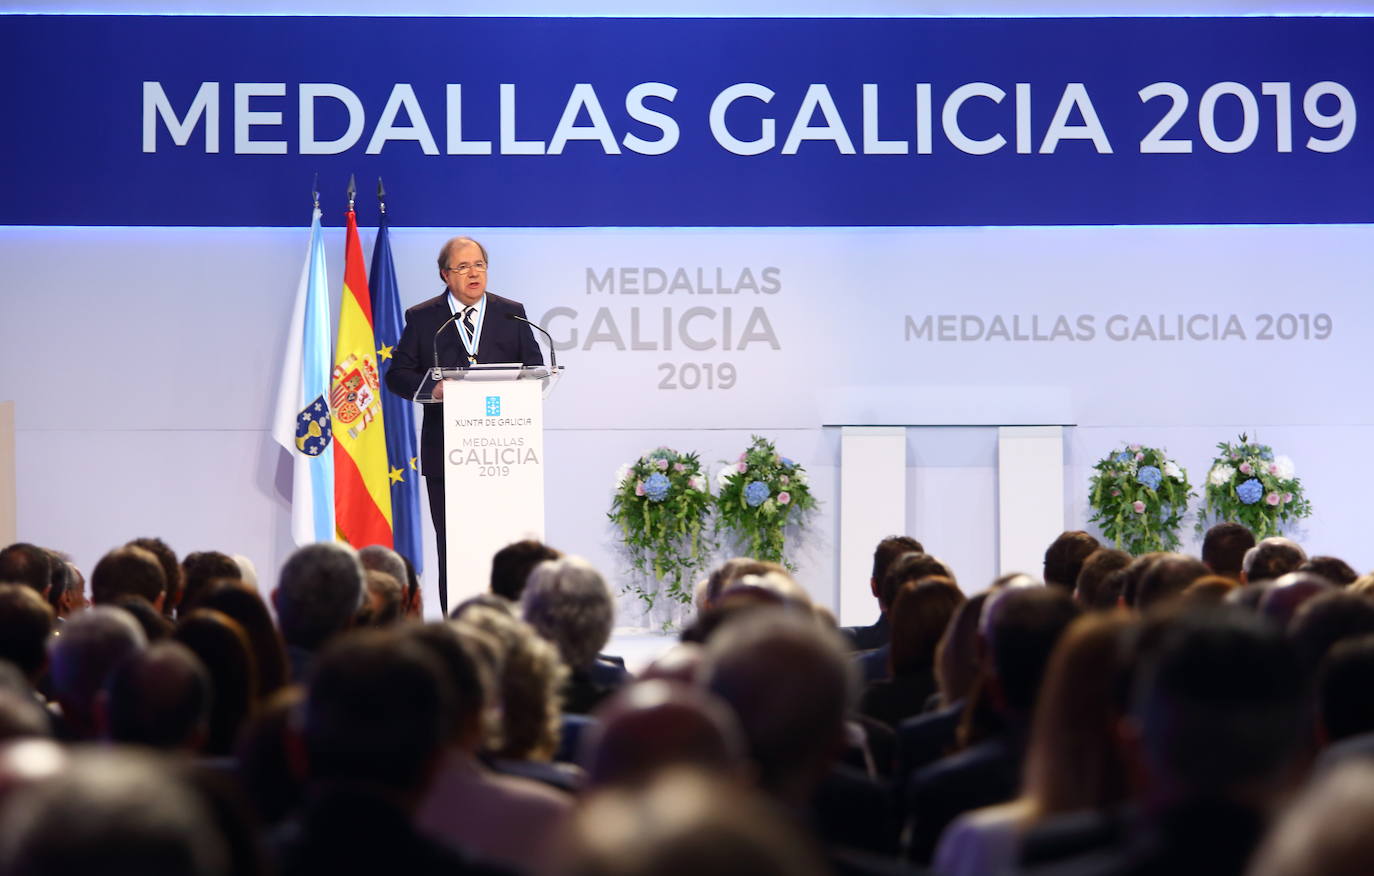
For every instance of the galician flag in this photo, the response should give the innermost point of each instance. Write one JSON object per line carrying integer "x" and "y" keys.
{"x": 362, "y": 495}
{"x": 398, "y": 412}
{"x": 302, "y": 424}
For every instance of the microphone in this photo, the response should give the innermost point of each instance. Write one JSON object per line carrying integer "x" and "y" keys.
{"x": 553, "y": 354}
{"x": 438, "y": 373}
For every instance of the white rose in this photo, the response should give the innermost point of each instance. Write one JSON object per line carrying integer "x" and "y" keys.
{"x": 697, "y": 482}
{"x": 1221, "y": 475}
{"x": 723, "y": 476}
{"x": 1283, "y": 468}
{"x": 1172, "y": 470}
{"x": 800, "y": 476}
{"x": 620, "y": 475}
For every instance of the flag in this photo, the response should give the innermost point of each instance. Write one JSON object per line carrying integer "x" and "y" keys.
{"x": 362, "y": 499}
{"x": 397, "y": 412}
{"x": 302, "y": 424}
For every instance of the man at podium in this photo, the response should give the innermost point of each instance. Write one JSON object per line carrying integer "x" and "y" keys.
{"x": 462, "y": 326}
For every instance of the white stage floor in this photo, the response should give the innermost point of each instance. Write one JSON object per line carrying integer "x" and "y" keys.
{"x": 639, "y": 646}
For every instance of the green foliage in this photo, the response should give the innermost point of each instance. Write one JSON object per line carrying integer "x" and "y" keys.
{"x": 1138, "y": 497}
{"x": 661, "y": 504}
{"x": 1249, "y": 485}
{"x": 759, "y": 497}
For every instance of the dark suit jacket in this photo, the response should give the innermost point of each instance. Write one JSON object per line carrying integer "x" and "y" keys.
{"x": 503, "y": 340}
{"x": 870, "y": 637}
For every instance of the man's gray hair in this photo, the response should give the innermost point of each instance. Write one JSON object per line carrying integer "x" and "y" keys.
{"x": 318, "y": 594}
{"x": 452, "y": 242}
{"x": 568, "y": 603}
{"x": 384, "y": 559}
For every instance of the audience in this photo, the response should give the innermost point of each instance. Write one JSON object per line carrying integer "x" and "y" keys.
{"x": 1003, "y": 733}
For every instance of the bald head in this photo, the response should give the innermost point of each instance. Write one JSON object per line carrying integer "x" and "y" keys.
{"x": 653, "y": 724}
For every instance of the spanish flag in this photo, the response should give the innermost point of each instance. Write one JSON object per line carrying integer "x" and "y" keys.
{"x": 362, "y": 492}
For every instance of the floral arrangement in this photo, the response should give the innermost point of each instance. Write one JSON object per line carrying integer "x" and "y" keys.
{"x": 1139, "y": 496}
{"x": 1249, "y": 485}
{"x": 759, "y": 496}
{"x": 661, "y": 504}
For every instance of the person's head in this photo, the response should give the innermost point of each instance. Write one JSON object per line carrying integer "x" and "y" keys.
{"x": 909, "y": 567}
{"x": 128, "y": 571}
{"x": 567, "y": 602}
{"x": 920, "y": 615}
{"x": 247, "y": 608}
{"x": 529, "y": 675}
{"x": 1064, "y": 558}
{"x": 92, "y": 644}
{"x": 683, "y": 822}
{"x": 1333, "y": 569}
{"x": 1023, "y": 625}
{"x": 1072, "y": 763}
{"x": 463, "y": 268}
{"x": 467, "y": 678}
{"x": 318, "y": 594}
{"x": 1131, "y": 576}
{"x": 1327, "y": 618}
{"x": 956, "y": 657}
{"x": 26, "y": 620}
{"x": 1218, "y": 708}
{"x": 1094, "y": 588}
{"x": 512, "y": 564}
{"x": 887, "y": 552}
{"x": 202, "y": 570}
{"x": 27, "y": 564}
{"x": 21, "y": 715}
{"x": 1327, "y": 831}
{"x": 159, "y": 697}
{"x": 223, "y": 647}
{"x": 1346, "y": 677}
{"x": 1224, "y": 547}
{"x": 1166, "y": 579}
{"x": 1272, "y": 558}
{"x": 1285, "y": 595}
{"x": 648, "y": 726}
{"x": 271, "y": 763}
{"x": 59, "y": 582}
{"x": 73, "y": 596}
{"x": 387, "y": 601}
{"x": 1210, "y": 590}
{"x": 111, "y": 810}
{"x": 790, "y": 684}
{"x": 375, "y": 713}
{"x": 383, "y": 599}
{"x": 155, "y": 624}
{"x": 171, "y": 570}
{"x": 727, "y": 573}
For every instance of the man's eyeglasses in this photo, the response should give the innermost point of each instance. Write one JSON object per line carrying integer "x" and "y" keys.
{"x": 464, "y": 268}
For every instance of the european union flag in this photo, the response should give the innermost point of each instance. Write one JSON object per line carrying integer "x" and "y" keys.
{"x": 398, "y": 413}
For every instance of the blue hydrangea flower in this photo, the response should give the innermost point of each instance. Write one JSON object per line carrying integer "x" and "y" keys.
{"x": 1266, "y": 454}
{"x": 1123, "y": 456}
{"x": 755, "y": 493}
{"x": 1150, "y": 476}
{"x": 656, "y": 487}
{"x": 1250, "y": 491}
{"x": 1165, "y": 511}
{"x": 789, "y": 463}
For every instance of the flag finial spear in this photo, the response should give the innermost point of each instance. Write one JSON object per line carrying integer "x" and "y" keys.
{"x": 315, "y": 190}
{"x": 381, "y": 194}
{"x": 352, "y": 190}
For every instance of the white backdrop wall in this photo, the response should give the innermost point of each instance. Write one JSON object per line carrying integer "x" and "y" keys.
{"x": 142, "y": 362}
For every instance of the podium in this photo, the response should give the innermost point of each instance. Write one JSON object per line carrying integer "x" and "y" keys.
{"x": 493, "y": 463}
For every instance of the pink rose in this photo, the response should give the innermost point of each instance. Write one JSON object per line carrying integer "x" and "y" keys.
{"x": 1235, "y": 456}
{"x": 784, "y": 497}
{"x": 741, "y": 468}
{"x": 677, "y": 466}
{"x": 784, "y": 480}
{"x": 1139, "y": 507}
{"x": 1287, "y": 497}
{"x": 639, "y": 488}
{"x": 1273, "y": 468}
{"x": 1116, "y": 492}
{"x": 1139, "y": 457}
{"x": 741, "y": 457}
{"x": 1272, "y": 498}
{"x": 1135, "y": 447}
{"x": 1245, "y": 468}
{"x": 663, "y": 465}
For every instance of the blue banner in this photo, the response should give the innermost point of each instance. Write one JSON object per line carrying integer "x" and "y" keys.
{"x": 148, "y": 120}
